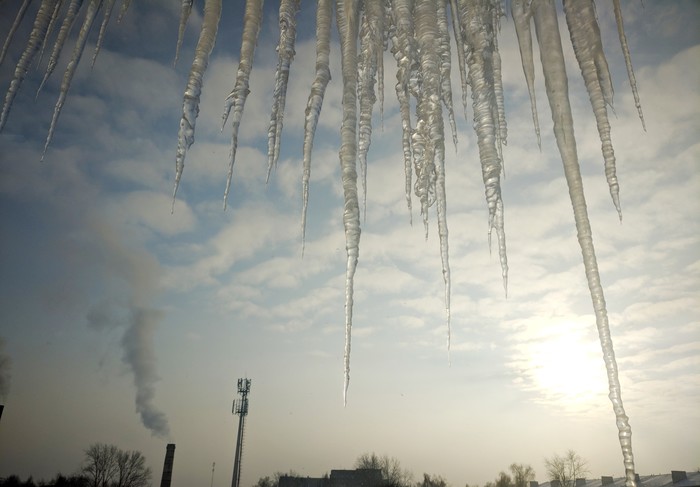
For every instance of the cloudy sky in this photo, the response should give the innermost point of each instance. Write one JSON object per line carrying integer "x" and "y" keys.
{"x": 126, "y": 324}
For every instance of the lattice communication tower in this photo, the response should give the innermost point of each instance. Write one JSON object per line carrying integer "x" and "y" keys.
{"x": 240, "y": 407}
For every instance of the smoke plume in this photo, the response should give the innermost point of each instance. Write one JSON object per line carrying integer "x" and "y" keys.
{"x": 137, "y": 344}
{"x": 130, "y": 307}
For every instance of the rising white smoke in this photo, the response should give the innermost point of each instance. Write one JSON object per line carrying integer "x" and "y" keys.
{"x": 135, "y": 273}
{"x": 139, "y": 325}
{"x": 137, "y": 345}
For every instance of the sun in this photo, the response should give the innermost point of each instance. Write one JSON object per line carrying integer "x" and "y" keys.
{"x": 562, "y": 366}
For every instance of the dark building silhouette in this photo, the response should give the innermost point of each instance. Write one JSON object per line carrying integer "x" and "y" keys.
{"x": 361, "y": 477}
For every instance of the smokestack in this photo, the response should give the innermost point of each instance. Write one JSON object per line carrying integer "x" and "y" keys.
{"x": 168, "y": 465}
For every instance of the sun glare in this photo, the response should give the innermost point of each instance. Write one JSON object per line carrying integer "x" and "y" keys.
{"x": 563, "y": 367}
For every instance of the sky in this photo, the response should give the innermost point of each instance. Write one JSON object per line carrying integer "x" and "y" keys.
{"x": 126, "y": 324}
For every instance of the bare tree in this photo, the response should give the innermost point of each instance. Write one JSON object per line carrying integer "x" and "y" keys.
{"x": 265, "y": 482}
{"x": 503, "y": 480}
{"x": 108, "y": 466}
{"x": 566, "y": 469}
{"x": 522, "y": 474}
{"x": 392, "y": 472}
{"x": 132, "y": 470}
{"x": 434, "y": 481}
{"x": 100, "y": 464}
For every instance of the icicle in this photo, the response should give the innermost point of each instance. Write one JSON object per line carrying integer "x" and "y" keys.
{"x": 123, "y": 9}
{"x": 80, "y": 42}
{"x": 556, "y": 84}
{"x": 371, "y": 43}
{"x": 628, "y": 60}
{"x": 403, "y": 51}
{"x": 501, "y": 126}
{"x": 239, "y": 94}
{"x": 15, "y": 25}
{"x": 285, "y": 52}
{"x": 100, "y": 37}
{"x": 190, "y": 103}
{"x": 384, "y": 40}
{"x": 63, "y": 32}
{"x": 476, "y": 19}
{"x": 313, "y": 106}
{"x": 429, "y": 136}
{"x": 346, "y": 18}
{"x": 585, "y": 38}
{"x": 459, "y": 40}
{"x": 429, "y": 83}
{"x": 41, "y": 22}
{"x": 49, "y": 30}
{"x": 520, "y": 9}
{"x": 185, "y": 10}
{"x": 446, "y": 67}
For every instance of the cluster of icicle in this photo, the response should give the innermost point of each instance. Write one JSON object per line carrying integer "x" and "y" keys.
{"x": 418, "y": 36}
{"x": 49, "y": 14}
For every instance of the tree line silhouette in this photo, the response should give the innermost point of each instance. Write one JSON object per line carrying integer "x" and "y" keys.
{"x": 103, "y": 466}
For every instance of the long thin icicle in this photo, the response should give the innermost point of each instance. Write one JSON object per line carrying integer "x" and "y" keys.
{"x": 588, "y": 48}
{"x": 446, "y": 67}
{"x": 429, "y": 85}
{"x": 476, "y": 18}
{"x": 371, "y": 46}
{"x": 49, "y": 30}
{"x": 15, "y": 25}
{"x": 190, "y": 103}
{"x": 236, "y": 99}
{"x": 429, "y": 136}
{"x": 556, "y": 84}
{"x": 123, "y": 9}
{"x": 313, "y": 107}
{"x": 63, "y": 32}
{"x": 80, "y": 42}
{"x": 459, "y": 41}
{"x": 285, "y": 53}
{"x": 185, "y": 10}
{"x": 628, "y": 60}
{"x": 346, "y": 18}
{"x": 522, "y": 13}
{"x": 41, "y": 23}
{"x": 500, "y": 117}
{"x": 404, "y": 52}
{"x": 109, "y": 6}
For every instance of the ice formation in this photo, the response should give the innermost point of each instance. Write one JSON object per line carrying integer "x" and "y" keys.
{"x": 236, "y": 99}
{"x": 15, "y": 25}
{"x": 347, "y": 19}
{"x": 556, "y": 84}
{"x": 324, "y": 13}
{"x": 92, "y": 9}
{"x": 417, "y": 32}
{"x": 190, "y": 103}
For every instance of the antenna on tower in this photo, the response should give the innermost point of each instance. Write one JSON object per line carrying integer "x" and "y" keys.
{"x": 240, "y": 408}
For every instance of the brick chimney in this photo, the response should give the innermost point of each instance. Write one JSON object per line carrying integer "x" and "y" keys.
{"x": 168, "y": 465}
